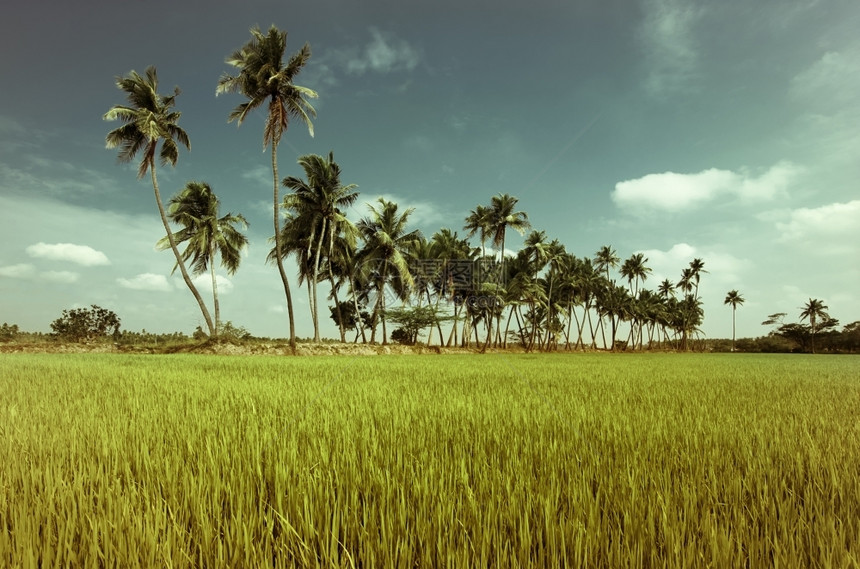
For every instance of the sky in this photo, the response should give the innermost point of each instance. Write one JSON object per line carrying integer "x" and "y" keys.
{"x": 727, "y": 131}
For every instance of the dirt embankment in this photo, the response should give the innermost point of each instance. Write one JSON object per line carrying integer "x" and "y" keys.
{"x": 238, "y": 349}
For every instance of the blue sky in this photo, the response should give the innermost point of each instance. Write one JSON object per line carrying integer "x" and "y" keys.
{"x": 726, "y": 131}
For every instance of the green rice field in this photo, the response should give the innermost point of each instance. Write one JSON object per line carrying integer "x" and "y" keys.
{"x": 549, "y": 460}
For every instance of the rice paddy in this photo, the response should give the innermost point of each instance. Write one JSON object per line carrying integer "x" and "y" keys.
{"x": 550, "y": 460}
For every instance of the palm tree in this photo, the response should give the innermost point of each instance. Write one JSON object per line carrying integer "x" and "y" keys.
{"x": 195, "y": 208}
{"x": 813, "y": 311}
{"x": 318, "y": 204}
{"x": 697, "y": 267}
{"x": 264, "y": 79}
{"x": 735, "y": 299}
{"x": 634, "y": 270}
{"x": 501, "y": 217}
{"x": 478, "y": 221}
{"x": 666, "y": 289}
{"x": 149, "y": 119}
{"x": 452, "y": 253}
{"x": 606, "y": 258}
{"x": 386, "y": 243}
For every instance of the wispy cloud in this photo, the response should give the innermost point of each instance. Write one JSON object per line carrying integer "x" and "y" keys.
{"x": 204, "y": 283}
{"x": 833, "y": 79}
{"x": 427, "y": 215}
{"x": 79, "y": 254}
{"x": 65, "y": 277}
{"x": 18, "y": 271}
{"x": 146, "y": 281}
{"x": 831, "y": 227}
{"x": 673, "y": 192}
{"x": 668, "y": 37}
{"x": 385, "y": 53}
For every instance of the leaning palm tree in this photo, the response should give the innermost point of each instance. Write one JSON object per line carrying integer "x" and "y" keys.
{"x": 318, "y": 203}
{"x": 813, "y": 311}
{"x": 735, "y": 299}
{"x": 150, "y": 119}
{"x": 384, "y": 255}
{"x": 195, "y": 208}
{"x": 264, "y": 79}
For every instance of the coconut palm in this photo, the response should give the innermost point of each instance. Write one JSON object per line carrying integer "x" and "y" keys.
{"x": 605, "y": 259}
{"x": 697, "y": 267}
{"x": 263, "y": 78}
{"x": 149, "y": 119}
{"x": 318, "y": 205}
{"x": 478, "y": 221}
{"x": 814, "y": 310}
{"x": 386, "y": 243}
{"x": 666, "y": 289}
{"x": 735, "y": 299}
{"x": 634, "y": 269}
{"x": 453, "y": 254}
{"x": 206, "y": 235}
{"x": 502, "y": 217}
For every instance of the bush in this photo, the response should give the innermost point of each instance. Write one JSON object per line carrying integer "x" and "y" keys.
{"x": 8, "y": 332}
{"x": 86, "y": 324}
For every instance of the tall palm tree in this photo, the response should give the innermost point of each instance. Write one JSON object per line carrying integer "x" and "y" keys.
{"x": 634, "y": 269}
{"x": 605, "y": 259}
{"x": 478, "y": 221}
{"x": 814, "y": 310}
{"x": 453, "y": 253}
{"x": 666, "y": 289}
{"x": 501, "y": 217}
{"x": 686, "y": 282}
{"x": 149, "y": 119}
{"x": 195, "y": 208}
{"x": 386, "y": 242}
{"x": 263, "y": 78}
{"x": 697, "y": 267}
{"x": 735, "y": 299}
{"x": 318, "y": 204}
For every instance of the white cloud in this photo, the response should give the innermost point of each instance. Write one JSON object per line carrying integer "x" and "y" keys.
{"x": 203, "y": 283}
{"x": 66, "y": 277}
{"x": 667, "y": 33}
{"x": 675, "y": 192}
{"x": 384, "y": 54}
{"x": 80, "y": 254}
{"x": 427, "y": 214}
{"x": 146, "y": 281}
{"x": 19, "y": 271}
{"x": 838, "y": 224}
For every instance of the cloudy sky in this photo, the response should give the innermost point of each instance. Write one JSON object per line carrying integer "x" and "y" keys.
{"x": 728, "y": 131}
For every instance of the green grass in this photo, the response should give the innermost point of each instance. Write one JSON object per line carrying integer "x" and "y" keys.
{"x": 598, "y": 460}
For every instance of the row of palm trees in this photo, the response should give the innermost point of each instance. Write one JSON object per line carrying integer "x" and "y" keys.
{"x": 536, "y": 292}
{"x": 539, "y": 293}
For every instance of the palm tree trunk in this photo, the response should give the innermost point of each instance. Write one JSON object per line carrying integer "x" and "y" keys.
{"x": 315, "y": 306}
{"x": 278, "y": 247}
{"x": 359, "y": 320}
{"x": 215, "y": 289}
{"x": 734, "y": 308}
{"x": 507, "y": 327}
{"x": 337, "y": 310}
{"x": 206, "y": 316}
